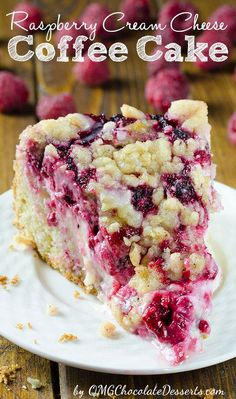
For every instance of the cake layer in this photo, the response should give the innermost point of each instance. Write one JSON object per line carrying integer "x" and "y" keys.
{"x": 121, "y": 206}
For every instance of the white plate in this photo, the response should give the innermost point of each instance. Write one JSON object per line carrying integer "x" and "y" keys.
{"x": 127, "y": 354}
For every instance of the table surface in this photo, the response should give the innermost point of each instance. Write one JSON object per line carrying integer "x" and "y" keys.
{"x": 218, "y": 89}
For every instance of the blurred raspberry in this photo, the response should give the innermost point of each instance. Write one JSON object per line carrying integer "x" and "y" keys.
{"x": 232, "y": 128}
{"x": 34, "y": 14}
{"x": 168, "y": 85}
{"x": 226, "y": 14}
{"x": 13, "y": 92}
{"x": 135, "y": 11}
{"x": 92, "y": 73}
{"x": 212, "y": 37}
{"x": 96, "y": 13}
{"x": 167, "y": 13}
{"x": 73, "y": 32}
{"x": 51, "y": 107}
{"x": 155, "y": 66}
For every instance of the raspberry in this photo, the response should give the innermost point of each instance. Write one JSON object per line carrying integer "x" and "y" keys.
{"x": 114, "y": 255}
{"x": 51, "y": 107}
{"x": 226, "y": 14}
{"x": 92, "y": 73}
{"x": 168, "y": 85}
{"x": 73, "y": 32}
{"x": 169, "y": 316}
{"x": 13, "y": 92}
{"x": 135, "y": 11}
{"x": 204, "y": 327}
{"x": 34, "y": 14}
{"x": 96, "y": 13}
{"x": 142, "y": 199}
{"x": 167, "y": 13}
{"x": 85, "y": 176}
{"x": 203, "y": 157}
{"x": 181, "y": 187}
{"x": 155, "y": 66}
{"x": 180, "y": 134}
{"x": 212, "y": 37}
{"x": 232, "y": 128}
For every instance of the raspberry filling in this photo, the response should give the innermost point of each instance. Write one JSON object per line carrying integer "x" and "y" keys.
{"x": 180, "y": 187}
{"x": 169, "y": 316}
{"x": 204, "y": 327}
{"x": 142, "y": 199}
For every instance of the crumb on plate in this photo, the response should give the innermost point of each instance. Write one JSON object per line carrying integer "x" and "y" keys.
{"x": 15, "y": 280}
{"x": 108, "y": 329}
{"x": 77, "y": 294}
{"x": 3, "y": 280}
{"x": 20, "y": 326}
{"x": 52, "y": 310}
{"x": 67, "y": 337}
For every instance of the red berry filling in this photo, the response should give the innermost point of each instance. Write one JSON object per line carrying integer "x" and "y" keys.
{"x": 203, "y": 157}
{"x": 121, "y": 120}
{"x": 142, "y": 199}
{"x": 169, "y": 316}
{"x": 89, "y": 136}
{"x": 180, "y": 187}
{"x": 85, "y": 176}
{"x": 204, "y": 327}
{"x": 114, "y": 256}
{"x": 180, "y": 134}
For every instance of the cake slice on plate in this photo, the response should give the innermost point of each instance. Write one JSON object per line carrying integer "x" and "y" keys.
{"x": 120, "y": 206}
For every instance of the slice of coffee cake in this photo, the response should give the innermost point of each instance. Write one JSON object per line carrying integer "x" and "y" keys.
{"x": 121, "y": 207}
